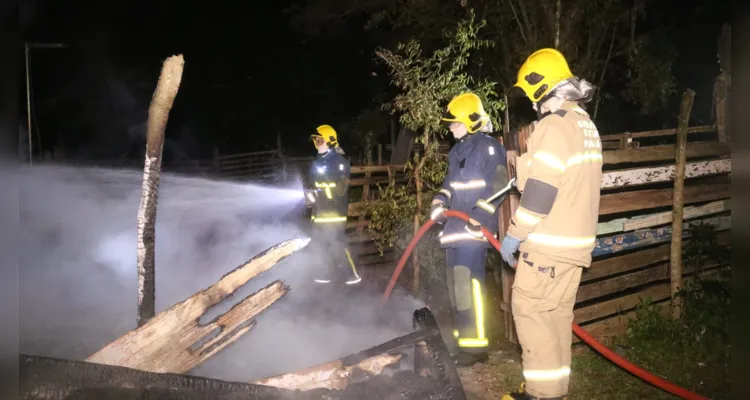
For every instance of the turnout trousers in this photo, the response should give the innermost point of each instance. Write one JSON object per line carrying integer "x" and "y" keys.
{"x": 544, "y": 293}
{"x": 465, "y": 278}
{"x": 337, "y": 265}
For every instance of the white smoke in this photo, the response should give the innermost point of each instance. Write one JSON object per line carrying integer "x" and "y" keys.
{"x": 77, "y": 278}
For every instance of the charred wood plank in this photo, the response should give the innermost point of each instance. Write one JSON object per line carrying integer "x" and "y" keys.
{"x": 56, "y": 379}
{"x": 169, "y": 342}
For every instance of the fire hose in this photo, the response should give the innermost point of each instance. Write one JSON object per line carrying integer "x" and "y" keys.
{"x": 588, "y": 339}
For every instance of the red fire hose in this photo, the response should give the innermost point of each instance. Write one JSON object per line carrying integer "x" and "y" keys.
{"x": 609, "y": 354}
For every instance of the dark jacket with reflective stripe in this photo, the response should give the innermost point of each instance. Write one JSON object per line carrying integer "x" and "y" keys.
{"x": 476, "y": 171}
{"x": 329, "y": 178}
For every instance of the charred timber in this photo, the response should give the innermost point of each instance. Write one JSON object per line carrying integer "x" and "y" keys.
{"x": 57, "y": 379}
{"x": 174, "y": 341}
{"x": 431, "y": 360}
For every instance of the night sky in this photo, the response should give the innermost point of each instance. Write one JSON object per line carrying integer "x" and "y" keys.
{"x": 249, "y": 74}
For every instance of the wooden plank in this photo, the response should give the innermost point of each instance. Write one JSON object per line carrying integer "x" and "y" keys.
{"x": 599, "y": 310}
{"x": 632, "y": 240}
{"x": 361, "y": 169}
{"x": 251, "y": 154}
{"x": 377, "y": 180}
{"x": 627, "y": 262}
{"x": 646, "y": 221}
{"x": 659, "y": 132}
{"x": 644, "y": 176}
{"x": 171, "y": 342}
{"x": 615, "y": 326}
{"x": 651, "y": 220}
{"x": 653, "y": 198}
{"x": 620, "y": 283}
{"x": 665, "y": 152}
{"x": 657, "y": 292}
{"x": 618, "y": 324}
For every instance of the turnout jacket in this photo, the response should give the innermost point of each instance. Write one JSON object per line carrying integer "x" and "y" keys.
{"x": 476, "y": 171}
{"x": 329, "y": 181}
{"x": 560, "y": 179}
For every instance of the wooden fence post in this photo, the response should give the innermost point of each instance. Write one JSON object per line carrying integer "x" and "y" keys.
{"x": 158, "y": 113}
{"x": 626, "y": 140}
{"x": 380, "y": 154}
{"x": 677, "y": 206}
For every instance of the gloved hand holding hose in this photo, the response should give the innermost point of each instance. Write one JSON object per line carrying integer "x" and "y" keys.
{"x": 437, "y": 213}
{"x": 508, "y": 248}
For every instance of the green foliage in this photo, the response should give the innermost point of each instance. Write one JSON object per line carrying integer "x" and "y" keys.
{"x": 694, "y": 348}
{"x": 426, "y": 84}
{"x": 704, "y": 247}
{"x": 392, "y": 216}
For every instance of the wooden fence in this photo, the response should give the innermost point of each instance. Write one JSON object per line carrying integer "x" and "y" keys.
{"x": 631, "y": 258}
{"x": 363, "y": 185}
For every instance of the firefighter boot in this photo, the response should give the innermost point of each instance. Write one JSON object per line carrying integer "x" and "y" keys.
{"x": 522, "y": 395}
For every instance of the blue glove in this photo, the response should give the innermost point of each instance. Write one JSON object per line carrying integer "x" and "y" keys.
{"x": 508, "y": 248}
{"x": 474, "y": 228}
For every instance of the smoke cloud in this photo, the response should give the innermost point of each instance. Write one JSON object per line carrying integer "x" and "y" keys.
{"x": 78, "y": 268}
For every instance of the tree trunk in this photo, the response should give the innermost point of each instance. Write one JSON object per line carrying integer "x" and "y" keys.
{"x": 174, "y": 341}
{"x": 158, "y": 113}
{"x": 678, "y": 201}
{"x": 418, "y": 210}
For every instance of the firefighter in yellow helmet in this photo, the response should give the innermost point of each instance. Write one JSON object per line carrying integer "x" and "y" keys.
{"x": 554, "y": 226}
{"x": 328, "y": 196}
{"x": 476, "y": 171}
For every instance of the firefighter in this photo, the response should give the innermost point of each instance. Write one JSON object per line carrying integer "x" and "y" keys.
{"x": 554, "y": 226}
{"x": 328, "y": 196}
{"x": 476, "y": 170}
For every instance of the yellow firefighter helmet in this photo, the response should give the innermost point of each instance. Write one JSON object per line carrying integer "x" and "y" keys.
{"x": 541, "y": 72}
{"x": 467, "y": 108}
{"x": 328, "y": 134}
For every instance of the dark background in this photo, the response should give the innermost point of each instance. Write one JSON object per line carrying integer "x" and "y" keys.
{"x": 249, "y": 75}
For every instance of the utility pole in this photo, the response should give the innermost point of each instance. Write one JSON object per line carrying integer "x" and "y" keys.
{"x": 27, "y": 48}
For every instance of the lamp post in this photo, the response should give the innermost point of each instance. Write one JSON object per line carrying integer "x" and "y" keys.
{"x": 27, "y": 48}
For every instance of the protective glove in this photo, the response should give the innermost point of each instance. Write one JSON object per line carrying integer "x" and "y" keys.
{"x": 310, "y": 198}
{"x": 437, "y": 213}
{"x": 474, "y": 228}
{"x": 508, "y": 248}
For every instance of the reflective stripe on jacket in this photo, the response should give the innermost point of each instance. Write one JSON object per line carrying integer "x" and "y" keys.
{"x": 560, "y": 177}
{"x": 476, "y": 171}
{"x": 329, "y": 179}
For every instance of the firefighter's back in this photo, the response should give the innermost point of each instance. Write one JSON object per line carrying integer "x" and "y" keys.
{"x": 568, "y": 233}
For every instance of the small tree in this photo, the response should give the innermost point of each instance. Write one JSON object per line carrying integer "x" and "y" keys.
{"x": 426, "y": 84}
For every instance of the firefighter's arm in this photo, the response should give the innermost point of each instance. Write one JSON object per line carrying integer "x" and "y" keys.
{"x": 544, "y": 177}
{"x": 309, "y": 190}
{"x": 495, "y": 174}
